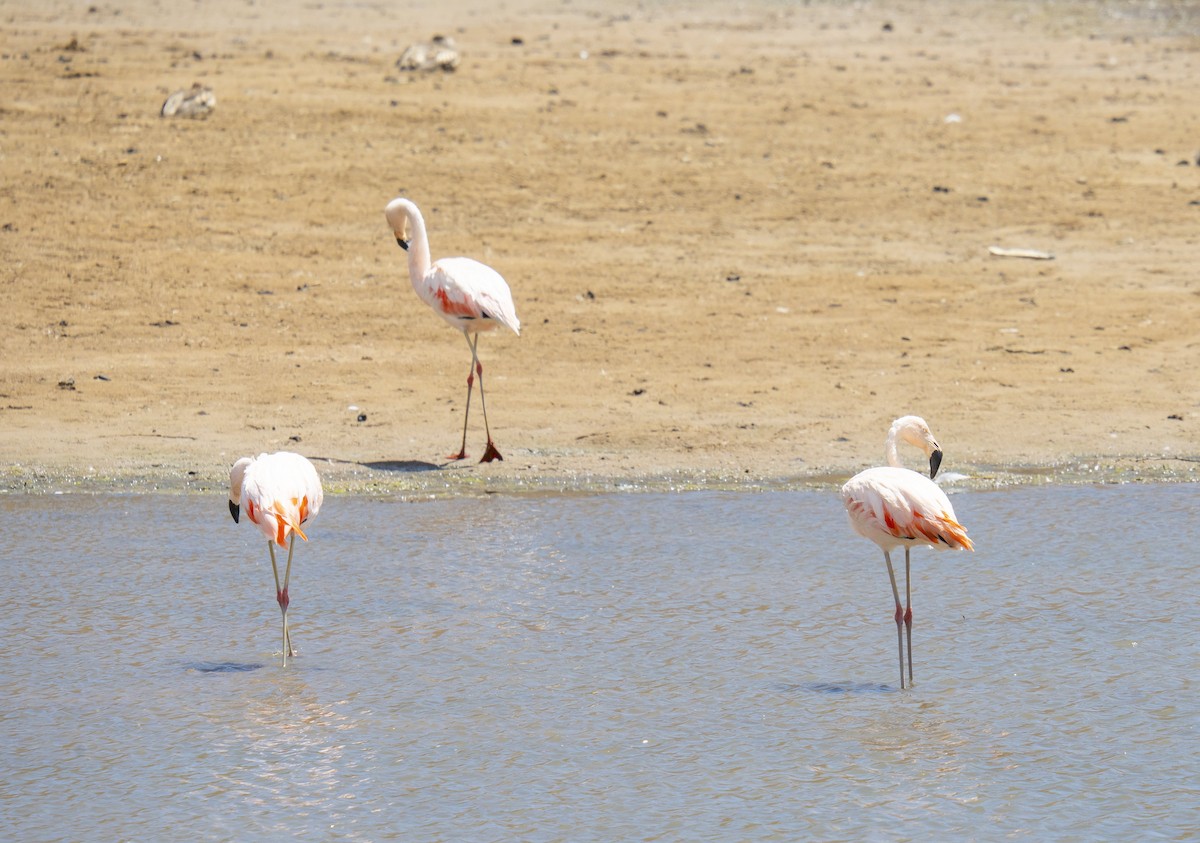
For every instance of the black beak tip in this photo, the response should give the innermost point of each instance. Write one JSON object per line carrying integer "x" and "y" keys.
{"x": 235, "y": 511}
{"x": 402, "y": 243}
{"x": 935, "y": 462}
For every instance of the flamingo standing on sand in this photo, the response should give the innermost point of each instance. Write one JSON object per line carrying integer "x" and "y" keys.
{"x": 280, "y": 492}
{"x": 895, "y": 506}
{"x": 471, "y": 296}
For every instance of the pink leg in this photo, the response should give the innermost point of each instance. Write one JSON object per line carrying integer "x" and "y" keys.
{"x": 284, "y": 601}
{"x": 899, "y": 615}
{"x": 908, "y": 611}
{"x": 281, "y": 597}
{"x": 490, "y": 453}
{"x": 462, "y": 452}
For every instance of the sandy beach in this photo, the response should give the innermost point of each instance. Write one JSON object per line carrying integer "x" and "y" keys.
{"x": 741, "y": 239}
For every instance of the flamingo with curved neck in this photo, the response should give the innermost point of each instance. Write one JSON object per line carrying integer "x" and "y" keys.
{"x": 469, "y": 295}
{"x": 892, "y": 506}
{"x": 278, "y": 492}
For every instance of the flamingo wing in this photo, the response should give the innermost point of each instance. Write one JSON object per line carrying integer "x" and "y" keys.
{"x": 894, "y": 506}
{"x": 463, "y": 290}
{"x": 281, "y": 491}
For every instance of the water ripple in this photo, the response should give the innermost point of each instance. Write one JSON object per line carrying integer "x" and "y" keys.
{"x": 647, "y": 666}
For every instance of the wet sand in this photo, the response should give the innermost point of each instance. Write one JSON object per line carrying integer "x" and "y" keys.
{"x": 740, "y": 241}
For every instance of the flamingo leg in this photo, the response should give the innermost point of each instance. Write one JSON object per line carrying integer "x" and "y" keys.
{"x": 490, "y": 453}
{"x": 287, "y": 575}
{"x": 462, "y": 451}
{"x": 899, "y": 615}
{"x": 908, "y": 611}
{"x": 279, "y": 598}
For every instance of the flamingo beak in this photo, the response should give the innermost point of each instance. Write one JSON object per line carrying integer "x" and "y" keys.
{"x": 935, "y": 462}
{"x": 235, "y": 511}
{"x": 401, "y": 242}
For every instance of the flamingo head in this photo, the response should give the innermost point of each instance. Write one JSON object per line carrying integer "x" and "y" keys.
{"x": 914, "y": 431}
{"x": 399, "y": 215}
{"x": 236, "y": 474}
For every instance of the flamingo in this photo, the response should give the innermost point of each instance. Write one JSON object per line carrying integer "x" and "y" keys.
{"x": 281, "y": 491}
{"x": 469, "y": 295}
{"x": 895, "y": 506}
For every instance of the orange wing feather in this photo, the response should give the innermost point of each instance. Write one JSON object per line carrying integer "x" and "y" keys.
{"x": 453, "y": 307}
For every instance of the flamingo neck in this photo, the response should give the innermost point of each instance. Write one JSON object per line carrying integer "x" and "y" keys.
{"x": 419, "y": 261}
{"x": 236, "y": 475}
{"x": 890, "y": 451}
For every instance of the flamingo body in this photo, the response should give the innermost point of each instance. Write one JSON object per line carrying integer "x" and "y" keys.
{"x": 895, "y": 506}
{"x": 279, "y": 493}
{"x": 469, "y": 295}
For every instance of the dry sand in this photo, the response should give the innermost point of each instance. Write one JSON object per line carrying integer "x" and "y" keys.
{"x": 741, "y": 239}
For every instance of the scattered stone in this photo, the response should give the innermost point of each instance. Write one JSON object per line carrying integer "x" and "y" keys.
{"x": 439, "y": 53}
{"x": 196, "y": 102}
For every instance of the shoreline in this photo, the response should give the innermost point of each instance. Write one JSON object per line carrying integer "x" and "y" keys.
{"x": 425, "y": 481}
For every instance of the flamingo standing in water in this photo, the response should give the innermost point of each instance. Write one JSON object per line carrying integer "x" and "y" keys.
{"x": 471, "y": 296}
{"x": 895, "y": 506}
{"x": 280, "y": 492}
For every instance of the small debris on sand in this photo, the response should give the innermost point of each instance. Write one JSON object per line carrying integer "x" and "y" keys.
{"x": 1032, "y": 254}
{"x": 197, "y": 102}
{"x": 439, "y": 53}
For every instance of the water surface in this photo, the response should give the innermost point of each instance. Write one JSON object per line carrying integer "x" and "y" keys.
{"x": 700, "y": 666}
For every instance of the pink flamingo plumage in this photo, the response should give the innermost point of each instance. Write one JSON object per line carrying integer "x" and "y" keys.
{"x": 279, "y": 492}
{"x": 469, "y": 295}
{"x": 895, "y": 506}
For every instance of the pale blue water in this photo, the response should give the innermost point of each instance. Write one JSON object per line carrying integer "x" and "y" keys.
{"x": 697, "y": 666}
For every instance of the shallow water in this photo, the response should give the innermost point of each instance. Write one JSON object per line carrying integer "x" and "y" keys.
{"x": 700, "y": 666}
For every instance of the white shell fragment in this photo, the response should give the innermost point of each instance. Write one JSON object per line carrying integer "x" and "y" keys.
{"x": 439, "y": 53}
{"x": 1032, "y": 254}
{"x": 199, "y": 101}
